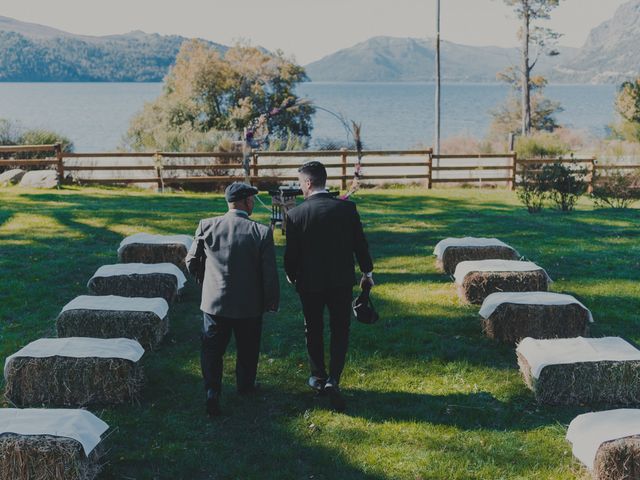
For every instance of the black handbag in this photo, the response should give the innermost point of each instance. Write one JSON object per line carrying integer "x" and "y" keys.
{"x": 196, "y": 265}
{"x": 199, "y": 262}
{"x": 363, "y": 308}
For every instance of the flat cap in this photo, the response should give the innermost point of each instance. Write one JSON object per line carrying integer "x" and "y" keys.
{"x": 239, "y": 191}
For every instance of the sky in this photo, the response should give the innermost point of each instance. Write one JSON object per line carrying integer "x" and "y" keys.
{"x": 308, "y": 29}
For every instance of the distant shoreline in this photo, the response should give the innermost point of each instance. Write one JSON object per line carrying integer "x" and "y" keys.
{"x": 317, "y": 82}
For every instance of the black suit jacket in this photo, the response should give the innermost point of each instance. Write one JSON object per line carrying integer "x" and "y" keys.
{"x": 323, "y": 235}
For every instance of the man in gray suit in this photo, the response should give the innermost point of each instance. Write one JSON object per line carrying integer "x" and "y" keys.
{"x": 234, "y": 259}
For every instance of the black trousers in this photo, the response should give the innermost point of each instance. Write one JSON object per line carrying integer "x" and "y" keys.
{"x": 215, "y": 339}
{"x": 338, "y": 302}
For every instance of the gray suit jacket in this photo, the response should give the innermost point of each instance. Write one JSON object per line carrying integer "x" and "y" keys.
{"x": 240, "y": 276}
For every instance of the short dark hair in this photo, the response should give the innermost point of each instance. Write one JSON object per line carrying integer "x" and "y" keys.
{"x": 316, "y": 172}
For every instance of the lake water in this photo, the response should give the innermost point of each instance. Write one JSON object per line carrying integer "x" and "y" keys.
{"x": 393, "y": 115}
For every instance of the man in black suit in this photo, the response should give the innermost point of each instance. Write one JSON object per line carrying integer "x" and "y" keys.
{"x": 323, "y": 236}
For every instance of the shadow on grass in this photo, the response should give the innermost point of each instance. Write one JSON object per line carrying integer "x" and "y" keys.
{"x": 269, "y": 436}
{"x": 467, "y": 411}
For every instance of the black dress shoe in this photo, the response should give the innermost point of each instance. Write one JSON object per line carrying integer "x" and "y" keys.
{"x": 213, "y": 404}
{"x": 336, "y": 400}
{"x": 317, "y": 383}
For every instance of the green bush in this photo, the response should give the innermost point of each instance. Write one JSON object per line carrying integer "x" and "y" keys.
{"x": 532, "y": 191}
{"x": 541, "y": 145}
{"x": 43, "y": 137}
{"x": 12, "y": 133}
{"x": 565, "y": 184}
{"x": 616, "y": 189}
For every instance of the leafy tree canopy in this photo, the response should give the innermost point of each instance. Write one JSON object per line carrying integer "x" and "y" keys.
{"x": 206, "y": 92}
{"x": 627, "y": 105}
{"x": 506, "y": 118}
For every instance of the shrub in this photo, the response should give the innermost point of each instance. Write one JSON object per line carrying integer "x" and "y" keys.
{"x": 326, "y": 143}
{"x": 616, "y": 189}
{"x": 43, "y": 137}
{"x": 12, "y": 133}
{"x": 542, "y": 145}
{"x": 288, "y": 143}
{"x": 532, "y": 191}
{"x": 565, "y": 184}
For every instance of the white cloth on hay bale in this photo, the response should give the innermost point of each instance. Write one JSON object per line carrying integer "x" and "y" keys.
{"x": 442, "y": 245}
{"x": 80, "y": 347}
{"x": 494, "y": 300}
{"x": 589, "y": 431}
{"x": 159, "y": 306}
{"x": 148, "y": 238}
{"x": 562, "y": 351}
{"x": 497, "y": 266}
{"x": 118, "y": 269}
{"x": 77, "y": 424}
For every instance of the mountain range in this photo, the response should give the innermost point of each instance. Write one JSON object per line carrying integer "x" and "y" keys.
{"x": 391, "y": 59}
{"x": 36, "y": 53}
{"x": 31, "y": 52}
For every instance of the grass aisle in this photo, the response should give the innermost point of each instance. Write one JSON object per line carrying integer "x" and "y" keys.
{"x": 428, "y": 396}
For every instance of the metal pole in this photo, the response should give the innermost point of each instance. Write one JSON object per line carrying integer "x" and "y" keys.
{"x": 436, "y": 144}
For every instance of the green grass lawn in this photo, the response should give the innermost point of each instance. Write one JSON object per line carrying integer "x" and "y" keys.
{"x": 428, "y": 396}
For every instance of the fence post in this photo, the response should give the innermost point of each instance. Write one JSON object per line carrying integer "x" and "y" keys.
{"x": 157, "y": 159}
{"x": 60, "y": 166}
{"x": 430, "y": 170}
{"x": 514, "y": 166}
{"x": 343, "y": 160}
{"x": 592, "y": 177}
{"x": 254, "y": 163}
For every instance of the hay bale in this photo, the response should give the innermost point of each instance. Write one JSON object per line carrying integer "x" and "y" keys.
{"x": 618, "y": 460}
{"x": 143, "y": 319}
{"x": 478, "y": 279}
{"x": 512, "y": 322}
{"x": 510, "y": 317}
{"x": 42, "y": 444}
{"x": 74, "y": 372}
{"x": 163, "y": 280}
{"x": 608, "y": 443}
{"x": 578, "y": 371}
{"x": 478, "y": 285}
{"x": 147, "y": 248}
{"x": 451, "y": 251}
{"x": 45, "y": 457}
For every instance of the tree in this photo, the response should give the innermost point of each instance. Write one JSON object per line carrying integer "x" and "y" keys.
{"x": 627, "y": 105}
{"x": 542, "y": 39}
{"x": 206, "y": 93}
{"x": 507, "y": 118}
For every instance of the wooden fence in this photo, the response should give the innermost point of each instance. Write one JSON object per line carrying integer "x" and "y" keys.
{"x": 268, "y": 166}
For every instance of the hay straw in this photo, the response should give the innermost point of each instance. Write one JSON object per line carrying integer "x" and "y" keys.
{"x": 154, "y": 253}
{"x": 452, "y": 256}
{"x": 477, "y": 286}
{"x": 145, "y": 327}
{"x": 72, "y": 382}
{"x": 44, "y": 457}
{"x": 511, "y": 322}
{"x": 618, "y": 460}
{"x": 151, "y": 285}
{"x": 605, "y": 382}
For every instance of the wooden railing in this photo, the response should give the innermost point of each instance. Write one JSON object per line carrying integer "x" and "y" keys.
{"x": 268, "y": 166}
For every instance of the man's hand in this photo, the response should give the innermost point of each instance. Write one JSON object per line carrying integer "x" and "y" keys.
{"x": 367, "y": 280}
